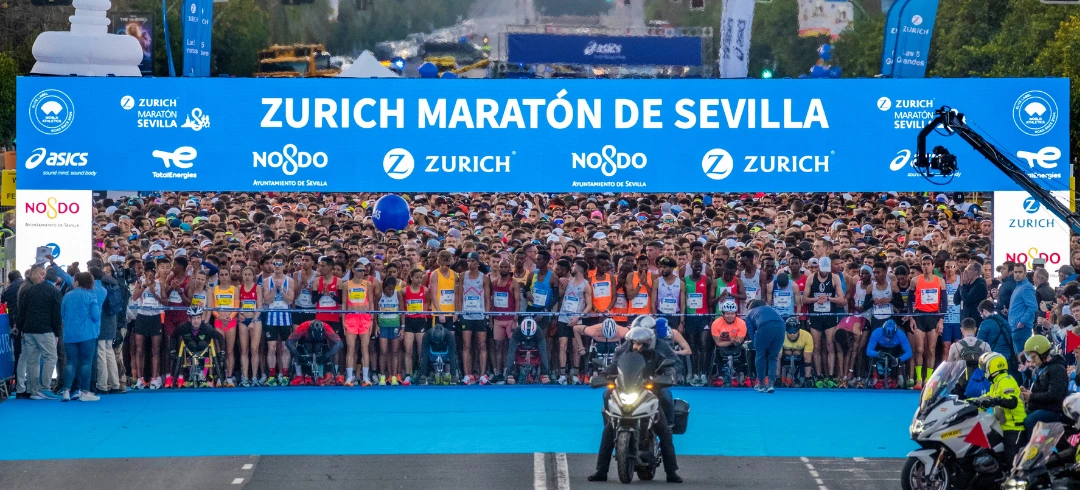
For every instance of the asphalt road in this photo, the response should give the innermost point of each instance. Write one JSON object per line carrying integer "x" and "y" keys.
{"x": 423, "y": 472}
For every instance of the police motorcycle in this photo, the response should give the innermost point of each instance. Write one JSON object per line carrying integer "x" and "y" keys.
{"x": 943, "y": 426}
{"x": 1029, "y": 470}
{"x": 633, "y": 409}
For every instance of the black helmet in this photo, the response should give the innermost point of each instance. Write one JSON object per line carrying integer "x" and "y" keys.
{"x": 317, "y": 329}
{"x": 438, "y": 335}
{"x": 791, "y": 325}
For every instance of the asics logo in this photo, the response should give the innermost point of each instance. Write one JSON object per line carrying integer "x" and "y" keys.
{"x": 398, "y": 163}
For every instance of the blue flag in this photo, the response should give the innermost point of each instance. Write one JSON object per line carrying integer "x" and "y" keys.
{"x": 908, "y": 28}
{"x": 198, "y": 24}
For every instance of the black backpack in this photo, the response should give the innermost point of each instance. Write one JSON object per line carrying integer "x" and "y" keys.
{"x": 970, "y": 353}
{"x": 114, "y": 299}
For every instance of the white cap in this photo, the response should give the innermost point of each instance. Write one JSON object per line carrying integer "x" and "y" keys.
{"x": 825, "y": 264}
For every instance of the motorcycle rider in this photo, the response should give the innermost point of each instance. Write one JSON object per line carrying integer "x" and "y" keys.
{"x": 1069, "y": 456}
{"x": 643, "y": 341}
{"x": 1004, "y": 393}
{"x": 1050, "y": 385}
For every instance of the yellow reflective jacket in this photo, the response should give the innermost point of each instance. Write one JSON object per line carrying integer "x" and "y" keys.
{"x": 1004, "y": 386}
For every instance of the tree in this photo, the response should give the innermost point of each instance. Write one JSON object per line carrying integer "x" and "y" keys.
{"x": 240, "y": 31}
{"x": 1061, "y": 58}
{"x": 572, "y": 7}
{"x": 858, "y": 49}
{"x": 9, "y": 69}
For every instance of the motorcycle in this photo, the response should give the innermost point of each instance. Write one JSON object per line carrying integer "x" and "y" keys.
{"x": 1029, "y": 470}
{"x": 947, "y": 429}
{"x": 633, "y": 410}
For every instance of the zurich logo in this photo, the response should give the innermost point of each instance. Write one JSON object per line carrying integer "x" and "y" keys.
{"x": 717, "y": 164}
{"x": 398, "y": 163}
{"x": 1031, "y": 206}
{"x": 1035, "y": 113}
{"x": 884, "y": 103}
{"x": 51, "y": 111}
{"x": 916, "y": 20}
{"x": 54, "y": 250}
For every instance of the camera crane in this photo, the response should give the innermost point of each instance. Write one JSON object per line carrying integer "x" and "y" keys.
{"x": 943, "y": 163}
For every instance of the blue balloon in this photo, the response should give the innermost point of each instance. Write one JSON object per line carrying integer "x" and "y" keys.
{"x": 448, "y": 74}
{"x": 428, "y": 70}
{"x": 825, "y": 51}
{"x": 390, "y": 212}
{"x": 834, "y": 71}
{"x": 818, "y": 71}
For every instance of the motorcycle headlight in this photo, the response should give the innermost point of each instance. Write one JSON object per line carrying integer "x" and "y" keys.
{"x": 916, "y": 427}
{"x": 628, "y": 398}
{"x": 1015, "y": 484}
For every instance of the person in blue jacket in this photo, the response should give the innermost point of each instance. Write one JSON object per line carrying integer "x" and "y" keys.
{"x": 81, "y": 313}
{"x": 767, "y": 328}
{"x": 889, "y": 339}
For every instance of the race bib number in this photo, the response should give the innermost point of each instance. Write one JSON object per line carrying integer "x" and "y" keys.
{"x": 414, "y": 305}
{"x": 224, "y": 301}
{"x": 725, "y": 290}
{"x": 174, "y": 297}
{"x": 883, "y": 310}
{"x": 327, "y": 301}
{"x": 446, "y": 297}
{"x": 149, "y": 299}
{"x": 539, "y": 299}
{"x": 248, "y": 304}
{"x": 669, "y": 306}
{"x": 822, "y": 307}
{"x": 694, "y": 300}
{"x": 278, "y": 305}
{"x": 952, "y": 314}
{"x": 473, "y": 303}
{"x": 198, "y": 300}
{"x": 304, "y": 298}
{"x": 782, "y": 300}
{"x": 751, "y": 294}
{"x": 620, "y": 301}
{"x": 502, "y": 299}
{"x": 929, "y": 296}
{"x": 640, "y": 301}
{"x": 571, "y": 304}
{"x": 602, "y": 289}
{"x": 357, "y": 295}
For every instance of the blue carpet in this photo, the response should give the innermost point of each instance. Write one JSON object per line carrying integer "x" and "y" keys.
{"x": 446, "y": 420}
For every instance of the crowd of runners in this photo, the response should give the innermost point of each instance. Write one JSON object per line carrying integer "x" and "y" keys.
{"x": 877, "y": 289}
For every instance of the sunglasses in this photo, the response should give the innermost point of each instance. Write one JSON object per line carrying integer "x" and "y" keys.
{"x": 279, "y": 264}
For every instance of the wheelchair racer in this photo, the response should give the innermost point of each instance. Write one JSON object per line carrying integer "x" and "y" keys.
{"x": 192, "y": 338}
{"x": 798, "y": 347}
{"x": 887, "y": 339}
{"x": 438, "y": 342}
{"x": 729, "y": 333}
{"x": 527, "y": 337}
{"x": 313, "y": 342}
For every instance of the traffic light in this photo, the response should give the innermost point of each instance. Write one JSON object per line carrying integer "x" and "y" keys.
{"x": 766, "y": 73}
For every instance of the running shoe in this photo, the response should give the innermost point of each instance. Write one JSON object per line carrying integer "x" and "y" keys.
{"x": 297, "y": 381}
{"x": 843, "y": 383}
{"x": 892, "y": 384}
{"x": 155, "y": 383}
{"x": 394, "y": 381}
{"x": 309, "y": 381}
{"x": 366, "y": 382}
{"x": 168, "y": 381}
{"x": 326, "y": 380}
{"x": 244, "y": 383}
{"x": 351, "y": 381}
{"x": 179, "y": 382}
{"x": 407, "y": 381}
{"x": 510, "y": 380}
{"x": 140, "y": 384}
{"x": 878, "y": 384}
{"x": 262, "y": 380}
{"x": 283, "y": 380}
{"x": 718, "y": 382}
{"x": 65, "y": 396}
{"x": 230, "y": 383}
{"x": 918, "y": 385}
{"x": 585, "y": 379}
{"x": 382, "y": 380}
{"x": 830, "y": 383}
{"x": 88, "y": 397}
{"x": 820, "y": 383}
{"x": 467, "y": 380}
{"x": 422, "y": 380}
{"x": 562, "y": 379}
{"x": 339, "y": 380}
{"x": 44, "y": 395}
{"x": 748, "y": 383}
{"x": 545, "y": 379}
{"x": 911, "y": 383}
{"x": 484, "y": 380}
{"x": 769, "y": 388}
{"x": 272, "y": 381}
{"x": 760, "y": 388}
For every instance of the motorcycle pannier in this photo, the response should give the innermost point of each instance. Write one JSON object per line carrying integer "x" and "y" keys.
{"x": 682, "y": 416}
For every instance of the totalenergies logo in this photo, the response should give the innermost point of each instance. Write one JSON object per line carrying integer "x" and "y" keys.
{"x": 52, "y": 208}
{"x": 1032, "y": 254}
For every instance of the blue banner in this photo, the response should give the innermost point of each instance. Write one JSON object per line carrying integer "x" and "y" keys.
{"x": 604, "y": 50}
{"x": 542, "y": 135}
{"x": 908, "y": 28}
{"x": 198, "y": 24}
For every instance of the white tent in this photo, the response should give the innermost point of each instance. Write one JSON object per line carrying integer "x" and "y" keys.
{"x": 366, "y": 66}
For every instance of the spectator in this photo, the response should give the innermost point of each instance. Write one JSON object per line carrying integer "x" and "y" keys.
{"x": 81, "y": 312}
{"x": 39, "y": 322}
{"x": 994, "y": 330}
{"x": 108, "y": 380}
{"x": 972, "y": 292}
{"x": 1066, "y": 274}
{"x": 1022, "y": 307}
{"x": 10, "y": 297}
{"x": 1005, "y": 290}
{"x": 1043, "y": 292}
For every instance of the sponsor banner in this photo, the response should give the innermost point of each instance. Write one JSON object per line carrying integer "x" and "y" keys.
{"x": 908, "y": 28}
{"x": 604, "y": 50}
{"x": 545, "y": 135}
{"x": 141, "y": 27}
{"x": 7, "y": 188}
{"x": 1025, "y": 230}
{"x": 735, "y": 24}
{"x": 198, "y": 22}
{"x": 59, "y": 221}
{"x": 824, "y": 17}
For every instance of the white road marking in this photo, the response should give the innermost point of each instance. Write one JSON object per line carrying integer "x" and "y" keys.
{"x": 249, "y": 466}
{"x": 237, "y": 481}
{"x": 814, "y": 474}
{"x": 859, "y": 460}
{"x": 539, "y": 472}
{"x": 562, "y": 472}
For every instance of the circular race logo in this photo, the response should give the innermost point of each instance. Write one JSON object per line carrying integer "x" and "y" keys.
{"x": 916, "y": 20}
{"x": 1035, "y": 113}
{"x": 884, "y": 103}
{"x": 127, "y": 102}
{"x": 398, "y": 163}
{"x": 51, "y": 111}
{"x": 717, "y": 164}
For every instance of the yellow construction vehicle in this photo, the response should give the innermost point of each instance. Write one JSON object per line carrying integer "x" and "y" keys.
{"x": 296, "y": 61}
